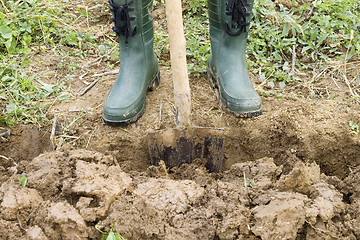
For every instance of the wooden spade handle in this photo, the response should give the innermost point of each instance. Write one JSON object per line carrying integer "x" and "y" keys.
{"x": 182, "y": 95}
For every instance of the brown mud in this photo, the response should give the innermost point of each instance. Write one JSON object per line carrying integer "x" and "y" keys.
{"x": 291, "y": 173}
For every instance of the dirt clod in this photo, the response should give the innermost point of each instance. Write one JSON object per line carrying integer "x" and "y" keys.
{"x": 250, "y": 200}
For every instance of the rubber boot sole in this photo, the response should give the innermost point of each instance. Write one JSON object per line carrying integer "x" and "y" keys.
{"x": 215, "y": 85}
{"x": 154, "y": 83}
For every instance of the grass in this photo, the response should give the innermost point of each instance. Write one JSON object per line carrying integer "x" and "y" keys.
{"x": 311, "y": 33}
{"x": 283, "y": 42}
{"x": 25, "y": 28}
{"x": 29, "y": 28}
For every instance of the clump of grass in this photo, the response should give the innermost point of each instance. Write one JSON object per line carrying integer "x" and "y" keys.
{"x": 25, "y": 98}
{"x": 26, "y": 27}
{"x": 284, "y": 40}
{"x": 281, "y": 40}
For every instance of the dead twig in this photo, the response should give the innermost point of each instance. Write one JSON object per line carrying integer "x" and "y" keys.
{"x": 5, "y": 134}
{"x": 112, "y": 72}
{"x": 88, "y": 87}
{"x": 17, "y": 217}
{"x": 3, "y": 4}
{"x": 131, "y": 190}
{"x": 6, "y": 158}
{"x": 160, "y": 111}
{"x": 83, "y": 75}
{"x": 52, "y": 135}
{"x": 215, "y": 128}
{"x": 87, "y": 144}
{"x": 355, "y": 96}
{"x": 77, "y": 138}
{"x": 51, "y": 105}
{"x": 68, "y": 136}
{"x": 80, "y": 115}
{"x": 125, "y": 130}
{"x": 164, "y": 168}
{"x": 265, "y": 81}
{"x": 245, "y": 183}
{"x": 311, "y": 10}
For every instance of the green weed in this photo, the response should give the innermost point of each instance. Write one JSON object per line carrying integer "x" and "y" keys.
{"x": 355, "y": 129}
{"x": 112, "y": 235}
{"x": 23, "y": 180}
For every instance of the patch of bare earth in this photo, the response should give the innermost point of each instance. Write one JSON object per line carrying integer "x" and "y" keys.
{"x": 292, "y": 173}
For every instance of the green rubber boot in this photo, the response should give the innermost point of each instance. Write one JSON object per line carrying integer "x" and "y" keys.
{"x": 229, "y": 25}
{"x": 139, "y": 69}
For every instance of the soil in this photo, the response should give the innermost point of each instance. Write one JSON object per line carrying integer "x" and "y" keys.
{"x": 291, "y": 173}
